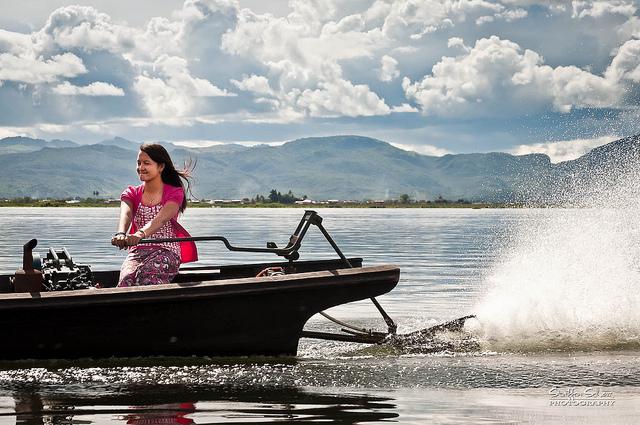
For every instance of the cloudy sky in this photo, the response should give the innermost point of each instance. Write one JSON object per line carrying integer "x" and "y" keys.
{"x": 434, "y": 76}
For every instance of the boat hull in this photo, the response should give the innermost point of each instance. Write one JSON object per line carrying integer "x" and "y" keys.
{"x": 243, "y": 316}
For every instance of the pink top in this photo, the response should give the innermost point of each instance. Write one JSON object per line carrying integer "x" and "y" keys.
{"x": 145, "y": 214}
{"x": 133, "y": 194}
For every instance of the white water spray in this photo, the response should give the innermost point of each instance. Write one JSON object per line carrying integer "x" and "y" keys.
{"x": 570, "y": 278}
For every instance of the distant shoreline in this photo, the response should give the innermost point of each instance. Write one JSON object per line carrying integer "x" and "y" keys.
{"x": 390, "y": 204}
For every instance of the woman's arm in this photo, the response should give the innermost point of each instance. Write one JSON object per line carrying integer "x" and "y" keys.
{"x": 166, "y": 213}
{"x": 126, "y": 213}
{"x": 120, "y": 238}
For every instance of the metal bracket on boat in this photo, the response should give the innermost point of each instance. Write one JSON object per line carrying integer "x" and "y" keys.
{"x": 391, "y": 325}
{"x": 290, "y": 252}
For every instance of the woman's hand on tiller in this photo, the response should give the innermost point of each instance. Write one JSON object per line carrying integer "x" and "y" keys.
{"x": 133, "y": 239}
{"x": 123, "y": 241}
{"x": 119, "y": 240}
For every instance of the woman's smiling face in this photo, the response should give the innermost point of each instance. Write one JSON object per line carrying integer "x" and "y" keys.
{"x": 147, "y": 168}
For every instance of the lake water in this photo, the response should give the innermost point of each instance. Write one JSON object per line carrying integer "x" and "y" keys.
{"x": 558, "y": 328}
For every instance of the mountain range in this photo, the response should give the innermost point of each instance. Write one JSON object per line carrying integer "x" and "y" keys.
{"x": 337, "y": 167}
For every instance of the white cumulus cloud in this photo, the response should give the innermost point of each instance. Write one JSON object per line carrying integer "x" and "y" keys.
{"x": 599, "y": 8}
{"x": 497, "y": 75}
{"x": 457, "y": 42}
{"x": 255, "y": 83}
{"x": 422, "y": 149}
{"x": 341, "y": 98}
{"x": 35, "y": 70}
{"x": 552, "y": 4}
{"x": 15, "y": 43}
{"x": 416, "y": 18}
{"x": 302, "y": 52}
{"x": 388, "y": 69}
{"x": 508, "y": 15}
{"x": 85, "y": 28}
{"x": 405, "y": 107}
{"x": 172, "y": 91}
{"x": 16, "y": 132}
{"x": 97, "y": 88}
{"x": 626, "y": 64}
{"x": 563, "y": 150}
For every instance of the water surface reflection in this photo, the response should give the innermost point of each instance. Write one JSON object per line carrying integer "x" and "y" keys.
{"x": 184, "y": 404}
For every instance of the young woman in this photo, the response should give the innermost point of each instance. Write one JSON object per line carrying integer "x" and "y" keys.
{"x": 150, "y": 211}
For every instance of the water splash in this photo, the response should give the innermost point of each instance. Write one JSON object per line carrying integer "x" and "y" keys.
{"x": 569, "y": 279}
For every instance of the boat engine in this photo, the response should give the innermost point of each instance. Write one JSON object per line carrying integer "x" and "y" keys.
{"x": 60, "y": 273}
{"x": 55, "y": 272}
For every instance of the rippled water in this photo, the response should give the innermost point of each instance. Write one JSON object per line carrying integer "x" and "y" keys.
{"x": 453, "y": 262}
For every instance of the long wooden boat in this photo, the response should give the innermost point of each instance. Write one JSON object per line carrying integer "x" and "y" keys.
{"x": 205, "y": 311}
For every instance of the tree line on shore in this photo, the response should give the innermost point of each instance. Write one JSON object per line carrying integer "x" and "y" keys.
{"x": 274, "y": 197}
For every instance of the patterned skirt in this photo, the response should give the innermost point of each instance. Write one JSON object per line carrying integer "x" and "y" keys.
{"x": 149, "y": 266}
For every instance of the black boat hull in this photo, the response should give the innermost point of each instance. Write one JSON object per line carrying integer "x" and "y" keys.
{"x": 230, "y": 317}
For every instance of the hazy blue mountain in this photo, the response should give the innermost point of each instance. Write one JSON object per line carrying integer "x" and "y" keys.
{"x": 19, "y": 144}
{"x": 121, "y": 143}
{"x": 133, "y": 146}
{"x": 353, "y": 167}
{"x": 612, "y": 155}
{"x": 601, "y": 167}
{"x": 26, "y": 144}
{"x": 21, "y": 140}
{"x": 339, "y": 167}
{"x": 67, "y": 172}
{"x": 221, "y": 149}
{"x": 57, "y": 143}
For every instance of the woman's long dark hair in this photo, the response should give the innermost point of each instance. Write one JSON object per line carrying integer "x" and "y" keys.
{"x": 170, "y": 175}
